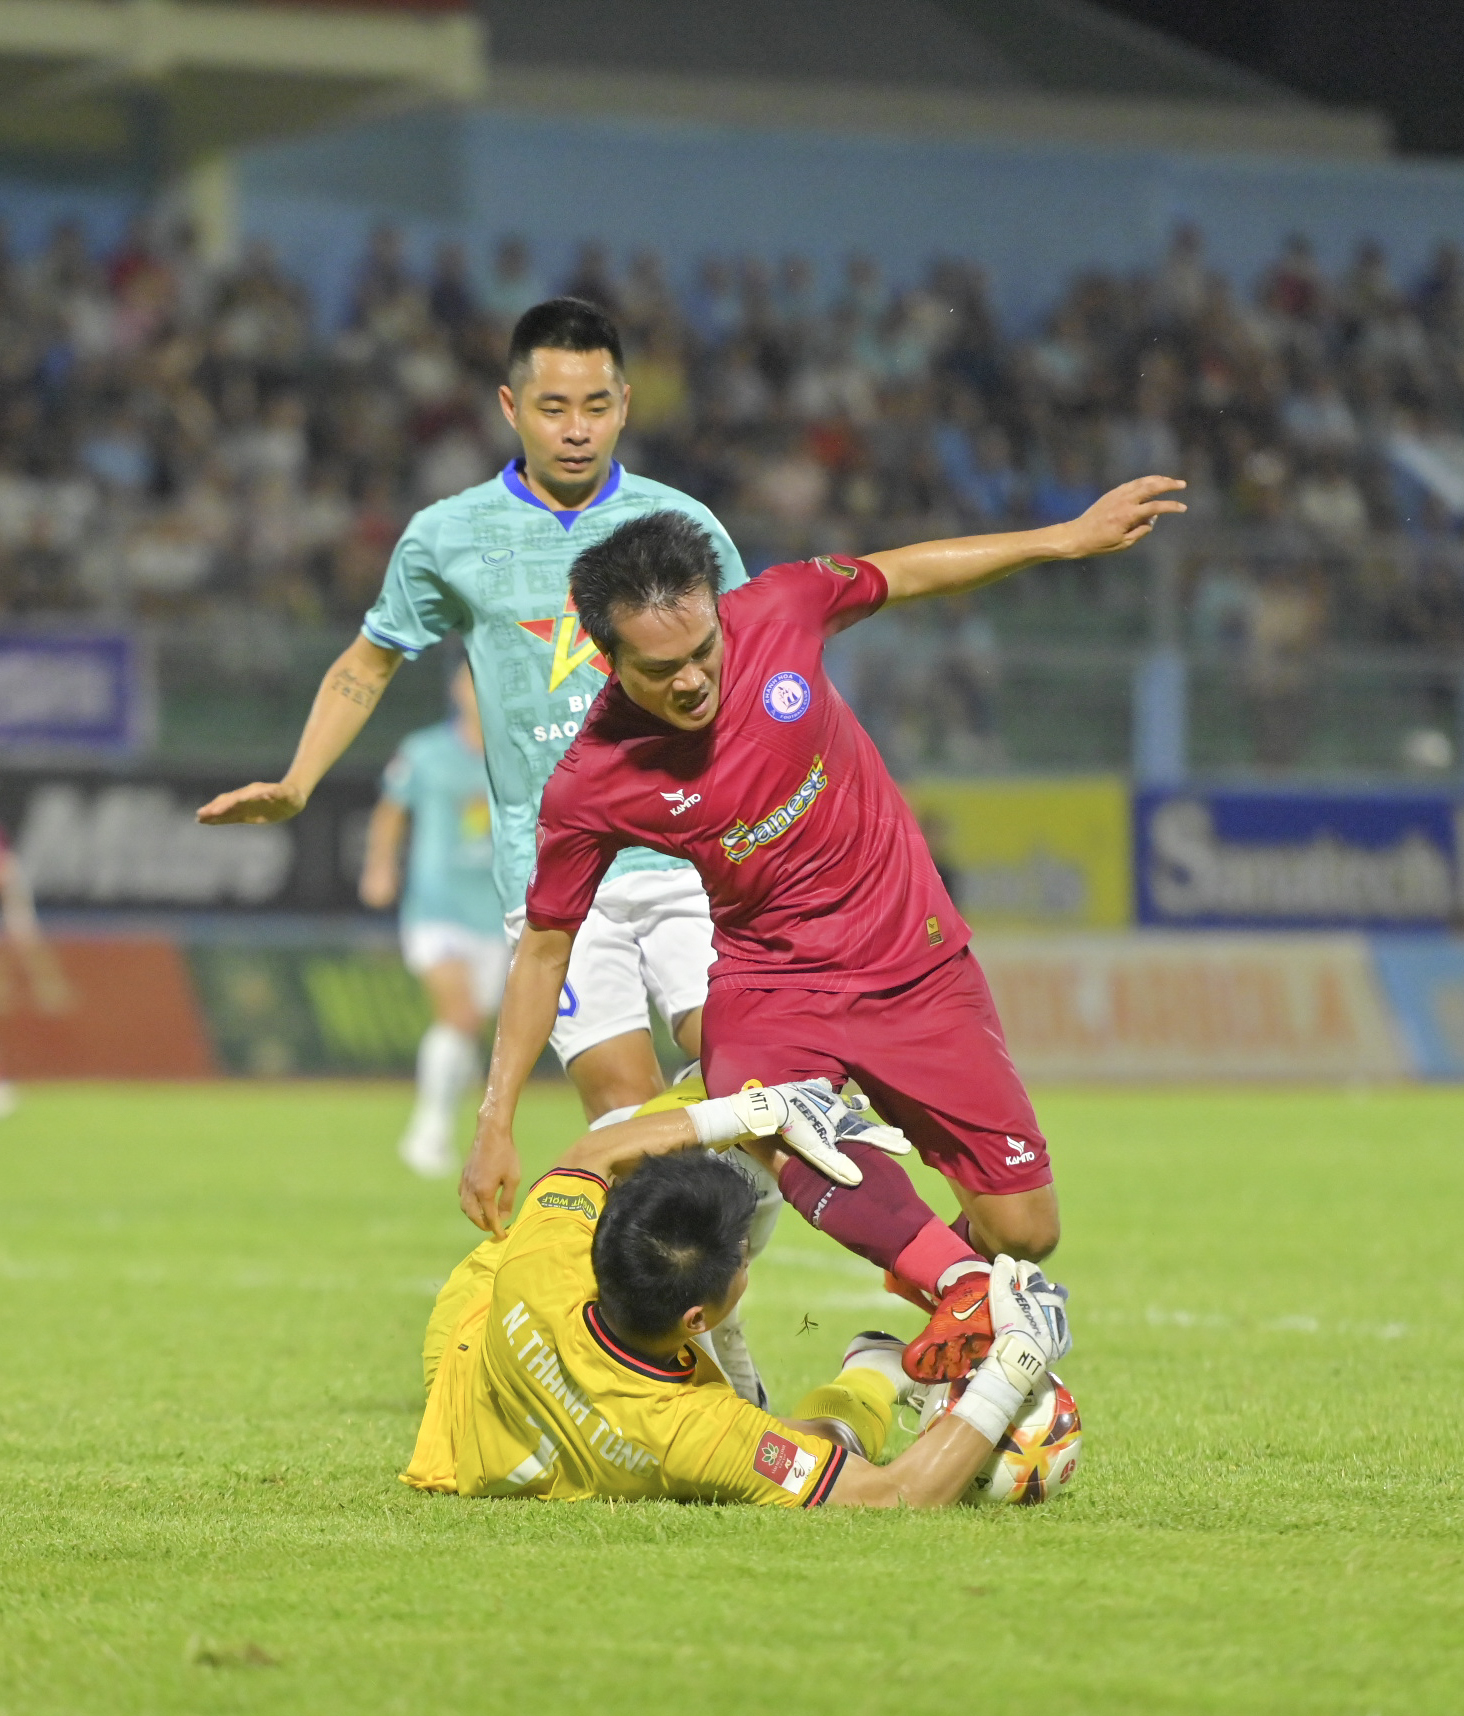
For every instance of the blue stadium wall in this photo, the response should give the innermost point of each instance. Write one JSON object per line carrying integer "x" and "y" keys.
{"x": 1031, "y": 215}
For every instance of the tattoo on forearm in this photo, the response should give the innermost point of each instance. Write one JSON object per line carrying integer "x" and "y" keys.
{"x": 358, "y": 690}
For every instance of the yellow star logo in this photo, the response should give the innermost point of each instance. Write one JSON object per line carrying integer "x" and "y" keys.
{"x": 572, "y": 646}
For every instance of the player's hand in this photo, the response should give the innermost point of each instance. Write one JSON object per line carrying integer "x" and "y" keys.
{"x": 490, "y": 1182}
{"x": 378, "y": 886}
{"x": 843, "y": 1117}
{"x": 758, "y": 1111}
{"x": 1122, "y": 517}
{"x": 261, "y": 801}
{"x": 1029, "y": 1325}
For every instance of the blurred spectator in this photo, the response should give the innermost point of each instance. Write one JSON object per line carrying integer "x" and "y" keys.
{"x": 1284, "y": 633}
{"x": 1331, "y": 503}
{"x": 450, "y": 296}
{"x": 513, "y": 286}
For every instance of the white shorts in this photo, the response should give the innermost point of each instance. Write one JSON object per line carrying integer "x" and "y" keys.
{"x": 436, "y": 940}
{"x": 649, "y": 933}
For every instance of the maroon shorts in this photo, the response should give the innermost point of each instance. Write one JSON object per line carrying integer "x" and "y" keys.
{"x": 930, "y": 1055}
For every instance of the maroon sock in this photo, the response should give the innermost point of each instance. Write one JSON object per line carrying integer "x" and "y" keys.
{"x": 878, "y": 1219}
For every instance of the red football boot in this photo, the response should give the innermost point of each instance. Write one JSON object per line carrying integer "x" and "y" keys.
{"x": 957, "y": 1337}
{"x": 903, "y": 1289}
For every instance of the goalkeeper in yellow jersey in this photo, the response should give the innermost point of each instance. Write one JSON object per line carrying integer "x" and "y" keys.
{"x": 564, "y": 1362}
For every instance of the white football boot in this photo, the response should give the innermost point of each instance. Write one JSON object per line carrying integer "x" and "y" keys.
{"x": 875, "y": 1350}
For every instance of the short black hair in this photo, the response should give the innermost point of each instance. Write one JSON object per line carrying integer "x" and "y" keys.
{"x": 652, "y": 562}
{"x": 563, "y": 325}
{"x": 670, "y": 1237}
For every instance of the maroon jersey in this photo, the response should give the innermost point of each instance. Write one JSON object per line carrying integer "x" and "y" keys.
{"x": 818, "y": 876}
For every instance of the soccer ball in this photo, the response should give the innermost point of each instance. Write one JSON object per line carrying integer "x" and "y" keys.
{"x": 1039, "y": 1453}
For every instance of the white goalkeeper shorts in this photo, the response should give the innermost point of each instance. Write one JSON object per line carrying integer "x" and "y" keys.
{"x": 648, "y": 939}
{"x": 435, "y": 941}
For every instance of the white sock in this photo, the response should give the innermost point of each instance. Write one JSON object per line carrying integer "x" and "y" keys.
{"x": 447, "y": 1062}
{"x": 613, "y": 1116}
{"x": 967, "y": 1266}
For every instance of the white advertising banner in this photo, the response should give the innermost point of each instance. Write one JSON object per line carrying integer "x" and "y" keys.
{"x": 1158, "y": 1005}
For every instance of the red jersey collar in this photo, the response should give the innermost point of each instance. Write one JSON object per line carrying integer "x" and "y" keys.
{"x": 596, "y": 1324}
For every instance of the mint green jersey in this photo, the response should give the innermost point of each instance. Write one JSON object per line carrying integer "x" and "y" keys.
{"x": 440, "y": 781}
{"x": 493, "y": 564}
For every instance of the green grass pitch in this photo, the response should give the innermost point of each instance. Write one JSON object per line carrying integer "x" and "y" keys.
{"x": 213, "y": 1299}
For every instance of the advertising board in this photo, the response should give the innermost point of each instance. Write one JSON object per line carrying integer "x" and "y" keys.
{"x": 113, "y": 1007}
{"x": 1298, "y": 860}
{"x": 74, "y": 693}
{"x": 1174, "y": 1007}
{"x": 1037, "y": 854}
{"x": 93, "y": 839}
{"x": 1423, "y": 978}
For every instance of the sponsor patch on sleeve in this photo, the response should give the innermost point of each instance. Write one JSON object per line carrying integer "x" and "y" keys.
{"x": 576, "y": 1202}
{"x": 835, "y": 563}
{"x": 784, "y": 1463}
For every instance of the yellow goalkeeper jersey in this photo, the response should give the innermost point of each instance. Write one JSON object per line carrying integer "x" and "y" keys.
{"x": 531, "y": 1394}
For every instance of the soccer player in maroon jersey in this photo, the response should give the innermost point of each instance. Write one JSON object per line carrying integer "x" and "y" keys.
{"x": 839, "y": 952}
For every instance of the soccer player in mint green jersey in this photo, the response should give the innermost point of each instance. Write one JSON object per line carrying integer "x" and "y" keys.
{"x": 451, "y": 915}
{"x": 492, "y": 564}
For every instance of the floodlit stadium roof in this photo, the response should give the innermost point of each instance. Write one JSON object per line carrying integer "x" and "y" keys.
{"x": 1045, "y": 70}
{"x": 135, "y": 89}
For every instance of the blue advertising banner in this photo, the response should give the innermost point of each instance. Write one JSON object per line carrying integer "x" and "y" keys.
{"x": 73, "y": 693}
{"x": 1423, "y": 978}
{"x": 1298, "y": 860}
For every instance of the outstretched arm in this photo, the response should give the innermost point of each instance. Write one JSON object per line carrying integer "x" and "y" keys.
{"x": 351, "y": 689}
{"x": 530, "y": 1007}
{"x": 616, "y": 1149}
{"x": 1114, "y": 522}
{"x": 935, "y": 1471}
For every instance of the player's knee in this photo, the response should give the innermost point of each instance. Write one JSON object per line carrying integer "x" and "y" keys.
{"x": 1030, "y": 1233}
{"x": 461, "y": 1017}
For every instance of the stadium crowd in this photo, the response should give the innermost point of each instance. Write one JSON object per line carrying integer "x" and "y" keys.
{"x": 176, "y": 439}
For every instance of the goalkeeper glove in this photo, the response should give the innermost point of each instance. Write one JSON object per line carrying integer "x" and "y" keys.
{"x": 1029, "y": 1332}
{"x": 811, "y": 1119}
{"x": 822, "y": 1120}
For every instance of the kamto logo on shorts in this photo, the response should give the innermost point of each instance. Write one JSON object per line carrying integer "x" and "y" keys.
{"x": 786, "y": 696}
{"x": 1024, "y": 1152}
{"x": 741, "y": 842}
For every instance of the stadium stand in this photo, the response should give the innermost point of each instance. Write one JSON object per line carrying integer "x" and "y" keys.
{"x": 184, "y": 444}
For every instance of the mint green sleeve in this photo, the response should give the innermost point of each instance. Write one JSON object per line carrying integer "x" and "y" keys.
{"x": 733, "y": 571}
{"x": 416, "y": 607}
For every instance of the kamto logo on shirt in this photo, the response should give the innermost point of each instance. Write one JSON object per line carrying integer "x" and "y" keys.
{"x": 741, "y": 842}
{"x": 572, "y": 645}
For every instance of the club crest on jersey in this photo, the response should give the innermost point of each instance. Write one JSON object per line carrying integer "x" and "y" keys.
{"x": 741, "y": 842}
{"x": 572, "y": 645}
{"x": 786, "y": 696}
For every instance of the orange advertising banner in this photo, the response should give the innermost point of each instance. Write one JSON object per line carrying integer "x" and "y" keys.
{"x": 102, "y": 1008}
{"x": 1176, "y": 1006}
